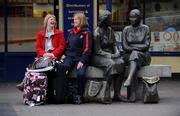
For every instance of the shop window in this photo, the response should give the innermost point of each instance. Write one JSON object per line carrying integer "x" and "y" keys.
{"x": 163, "y": 18}
{"x": 120, "y": 11}
{"x": 25, "y": 19}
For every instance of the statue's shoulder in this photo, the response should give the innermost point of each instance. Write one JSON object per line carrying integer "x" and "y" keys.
{"x": 97, "y": 31}
{"x": 127, "y": 28}
{"x": 145, "y": 26}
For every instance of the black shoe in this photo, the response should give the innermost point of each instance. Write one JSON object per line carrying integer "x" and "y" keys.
{"x": 77, "y": 99}
{"x": 107, "y": 102}
{"x": 20, "y": 86}
{"x": 116, "y": 98}
{"x": 120, "y": 98}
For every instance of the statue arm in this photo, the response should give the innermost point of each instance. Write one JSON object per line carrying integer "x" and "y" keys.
{"x": 146, "y": 43}
{"x": 126, "y": 47}
{"x": 116, "y": 51}
{"x": 97, "y": 46}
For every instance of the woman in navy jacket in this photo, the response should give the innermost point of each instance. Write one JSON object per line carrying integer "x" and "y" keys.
{"x": 78, "y": 51}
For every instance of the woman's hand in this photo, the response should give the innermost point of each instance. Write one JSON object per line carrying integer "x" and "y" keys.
{"x": 79, "y": 65}
{"x": 48, "y": 55}
{"x": 62, "y": 57}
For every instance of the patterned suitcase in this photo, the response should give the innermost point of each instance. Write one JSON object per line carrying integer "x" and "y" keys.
{"x": 35, "y": 88}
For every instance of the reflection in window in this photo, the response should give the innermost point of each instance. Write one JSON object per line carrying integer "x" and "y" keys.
{"x": 120, "y": 11}
{"x": 165, "y": 13}
{"x": 25, "y": 19}
{"x": 163, "y": 17}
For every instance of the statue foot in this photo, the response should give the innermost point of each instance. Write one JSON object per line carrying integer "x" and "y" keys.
{"x": 127, "y": 83}
{"x": 132, "y": 98}
{"x": 120, "y": 98}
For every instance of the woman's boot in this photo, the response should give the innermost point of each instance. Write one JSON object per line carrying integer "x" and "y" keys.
{"x": 20, "y": 86}
{"x": 81, "y": 85}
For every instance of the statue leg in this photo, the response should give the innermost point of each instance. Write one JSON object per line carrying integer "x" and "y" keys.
{"x": 117, "y": 88}
{"x": 132, "y": 71}
{"x": 131, "y": 91}
{"x": 108, "y": 99}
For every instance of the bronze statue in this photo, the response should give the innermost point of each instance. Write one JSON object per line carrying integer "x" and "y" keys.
{"x": 136, "y": 41}
{"x": 106, "y": 55}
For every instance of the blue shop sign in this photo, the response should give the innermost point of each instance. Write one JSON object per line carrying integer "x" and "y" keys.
{"x": 70, "y": 7}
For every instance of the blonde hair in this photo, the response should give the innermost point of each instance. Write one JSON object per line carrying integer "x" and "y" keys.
{"x": 48, "y": 16}
{"x": 82, "y": 18}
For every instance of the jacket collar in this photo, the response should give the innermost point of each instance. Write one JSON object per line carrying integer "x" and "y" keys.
{"x": 43, "y": 32}
{"x": 75, "y": 30}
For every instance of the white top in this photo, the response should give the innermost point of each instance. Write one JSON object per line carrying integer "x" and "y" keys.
{"x": 48, "y": 44}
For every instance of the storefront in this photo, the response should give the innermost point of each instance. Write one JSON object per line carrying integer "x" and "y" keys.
{"x": 21, "y": 19}
{"x": 162, "y": 16}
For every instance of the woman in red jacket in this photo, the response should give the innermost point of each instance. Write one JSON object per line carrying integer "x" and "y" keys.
{"x": 50, "y": 41}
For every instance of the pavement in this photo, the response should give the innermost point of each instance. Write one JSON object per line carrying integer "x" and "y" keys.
{"x": 169, "y": 104}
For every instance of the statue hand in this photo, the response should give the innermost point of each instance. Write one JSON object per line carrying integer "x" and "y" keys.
{"x": 108, "y": 56}
{"x": 115, "y": 55}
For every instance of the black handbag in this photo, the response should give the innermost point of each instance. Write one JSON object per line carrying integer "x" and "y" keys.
{"x": 150, "y": 92}
{"x": 97, "y": 91}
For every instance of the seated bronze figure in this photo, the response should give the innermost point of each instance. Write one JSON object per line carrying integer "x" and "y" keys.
{"x": 106, "y": 55}
{"x": 136, "y": 41}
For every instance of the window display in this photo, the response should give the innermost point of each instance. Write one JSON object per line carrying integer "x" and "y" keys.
{"x": 24, "y": 19}
{"x": 163, "y": 20}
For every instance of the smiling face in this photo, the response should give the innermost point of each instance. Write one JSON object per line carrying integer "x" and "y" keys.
{"x": 51, "y": 22}
{"x": 76, "y": 21}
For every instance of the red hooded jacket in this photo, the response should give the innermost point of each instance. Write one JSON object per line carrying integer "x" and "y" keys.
{"x": 58, "y": 43}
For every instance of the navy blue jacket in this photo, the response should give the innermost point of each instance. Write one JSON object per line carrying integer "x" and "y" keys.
{"x": 79, "y": 44}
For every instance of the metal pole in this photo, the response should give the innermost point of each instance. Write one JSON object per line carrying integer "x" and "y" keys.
{"x": 97, "y": 9}
{"x": 109, "y": 5}
{"x": 56, "y": 11}
{"x": 5, "y": 12}
{"x": 144, "y": 12}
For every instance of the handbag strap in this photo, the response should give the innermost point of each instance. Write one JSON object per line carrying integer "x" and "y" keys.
{"x": 151, "y": 80}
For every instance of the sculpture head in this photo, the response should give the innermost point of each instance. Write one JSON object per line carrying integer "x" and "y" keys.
{"x": 135, "y": 17}
{"x": 105, "y": 19}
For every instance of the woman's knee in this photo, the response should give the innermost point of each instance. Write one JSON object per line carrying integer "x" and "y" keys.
{"x": 81, "y": 72}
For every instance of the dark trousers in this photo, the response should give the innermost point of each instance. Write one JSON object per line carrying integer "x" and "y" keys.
{"x": 70, "y": 62}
